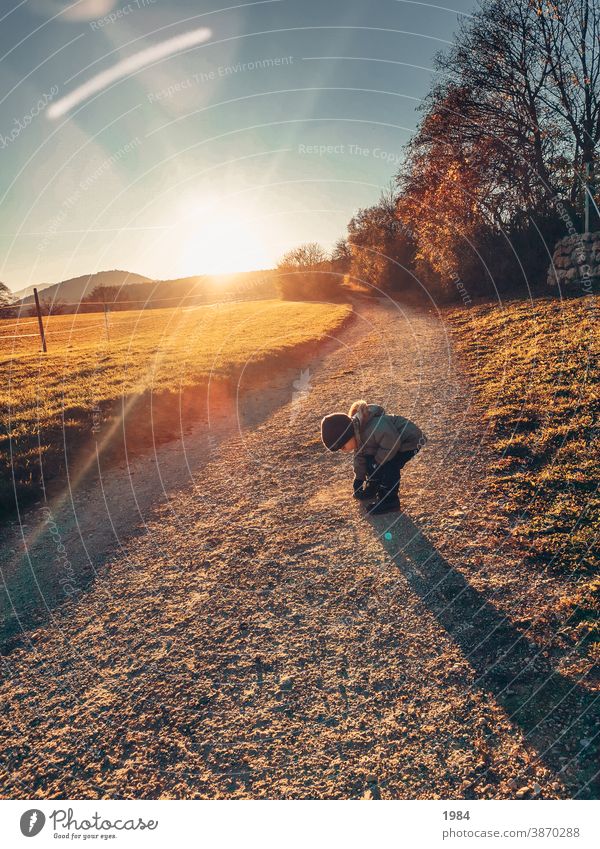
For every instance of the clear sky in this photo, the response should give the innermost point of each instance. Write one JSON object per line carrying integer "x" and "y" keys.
{"x": 173, "y": 138}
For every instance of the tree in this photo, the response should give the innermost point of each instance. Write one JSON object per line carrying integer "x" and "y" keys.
{"x": 50, "y": 308}
{"x": 503, "y": 138}
{"x": 530, "y": 70}
{"x": 106, "y": 294}
{"x": 305, "y": 273}
{"x": 6, "y": 302}
{"x": 382, "y": 247}
{"x": 567, "y": 40}
{"x": 341, "y": 256}
{"x": 448, "y": 191}
{"x": 6, "y": 296}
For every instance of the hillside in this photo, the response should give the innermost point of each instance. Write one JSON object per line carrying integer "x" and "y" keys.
{"x": 51, "y": 403}
{"x": 74, "y": 289}
{"x": 534, "y": 367}
{"x": 23, "y": 294}
{"x": 240, "y": 279}
{"x": 244, "y": 285}
{"x": 124, "y": 288}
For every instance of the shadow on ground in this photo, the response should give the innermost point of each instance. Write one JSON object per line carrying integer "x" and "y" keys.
{"x": 54, "y": 551}
{"x": 558, "y": 717}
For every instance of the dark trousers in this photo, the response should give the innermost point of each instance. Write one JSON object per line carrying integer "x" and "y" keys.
{"x": 387, "y": 476}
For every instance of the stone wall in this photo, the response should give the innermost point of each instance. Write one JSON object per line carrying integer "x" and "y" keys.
{"x": 576, "y": 263}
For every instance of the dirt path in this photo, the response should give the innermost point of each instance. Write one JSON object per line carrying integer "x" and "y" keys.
{"x": 259, "y": 637}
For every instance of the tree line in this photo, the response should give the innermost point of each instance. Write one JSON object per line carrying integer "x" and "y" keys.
{"x": 154, "y": 294}
{"x": 504, "y": 154}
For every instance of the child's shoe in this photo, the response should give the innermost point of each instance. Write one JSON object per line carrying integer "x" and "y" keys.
{"x": 369, "y": 490}
{"x": 384, "y": 505}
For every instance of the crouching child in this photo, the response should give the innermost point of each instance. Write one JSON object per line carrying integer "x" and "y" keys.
{"x": 382, "y": 445}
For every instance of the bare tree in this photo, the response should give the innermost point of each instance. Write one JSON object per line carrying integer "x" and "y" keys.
{"x": 305, "y": 273}
{"x": 567, "y": 39}
{"x": 305, "y": 257}
{"x": 50, "y": 308}
{"x": 529, "y": 73}
{"x": 511, "y": 130}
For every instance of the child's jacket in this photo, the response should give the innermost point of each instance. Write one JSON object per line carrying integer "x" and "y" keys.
{"x": 382, "y": 437}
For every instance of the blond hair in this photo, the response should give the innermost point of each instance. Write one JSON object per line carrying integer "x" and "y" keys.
{"x": 358, "y": 409}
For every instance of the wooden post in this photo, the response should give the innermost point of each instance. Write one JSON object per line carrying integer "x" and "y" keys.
{"x": 106, "y": 321}
{"x": 40, "y": 322}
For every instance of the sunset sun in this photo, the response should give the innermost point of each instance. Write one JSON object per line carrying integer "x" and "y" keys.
{"x": 213, "y": 238}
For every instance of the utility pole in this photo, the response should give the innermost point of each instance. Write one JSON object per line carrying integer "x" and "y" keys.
{"x": 40, "y": 322}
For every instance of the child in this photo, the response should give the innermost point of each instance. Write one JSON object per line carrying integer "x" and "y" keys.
{"x": 382, "y": 446}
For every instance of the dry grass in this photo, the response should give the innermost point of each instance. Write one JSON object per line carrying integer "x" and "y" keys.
{"x": 535, "y": 369}
{"x": 66, "y": 391}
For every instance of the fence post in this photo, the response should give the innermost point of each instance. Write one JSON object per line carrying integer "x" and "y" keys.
{"x": 40, "y": 322}
{"x": 106, "y": 321}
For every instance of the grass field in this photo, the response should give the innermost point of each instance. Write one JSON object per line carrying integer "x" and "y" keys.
{"x": 89, "y": 368}
{"x": 535, "y": 369}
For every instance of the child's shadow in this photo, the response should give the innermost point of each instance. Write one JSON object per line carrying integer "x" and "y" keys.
{"x": 558, "y": 717}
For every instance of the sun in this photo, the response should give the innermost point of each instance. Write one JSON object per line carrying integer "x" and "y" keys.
{"x": 216, "y": 238}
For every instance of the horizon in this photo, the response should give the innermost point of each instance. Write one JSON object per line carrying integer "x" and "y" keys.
{"x": 43, "y": 286}
{"x": 183, "y": 141}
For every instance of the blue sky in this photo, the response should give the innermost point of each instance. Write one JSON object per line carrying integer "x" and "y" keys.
{"x": 281, "y": 121}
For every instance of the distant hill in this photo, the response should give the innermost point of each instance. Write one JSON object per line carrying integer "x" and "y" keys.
{"x": 126, "y": 290}
{"x": 74, "y": 289}
{"x": 240, "y": 285}
{"x": 21, "y": 294}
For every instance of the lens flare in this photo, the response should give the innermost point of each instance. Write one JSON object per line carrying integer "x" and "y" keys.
{"x": 126, "y": 67}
